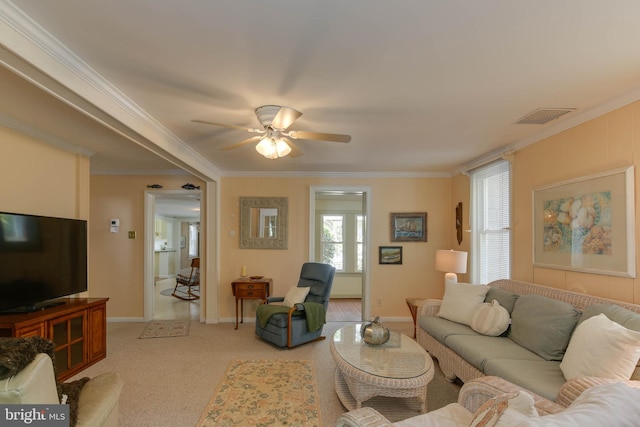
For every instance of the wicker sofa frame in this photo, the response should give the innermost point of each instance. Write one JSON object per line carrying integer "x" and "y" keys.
{"x": 453, "y": 365}
{"x": 475, "y": 393}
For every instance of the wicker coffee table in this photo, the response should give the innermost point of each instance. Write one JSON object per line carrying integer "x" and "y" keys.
{"x": 399, "y": 368}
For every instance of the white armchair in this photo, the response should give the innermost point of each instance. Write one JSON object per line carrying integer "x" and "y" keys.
{"x": 36, "y": 384}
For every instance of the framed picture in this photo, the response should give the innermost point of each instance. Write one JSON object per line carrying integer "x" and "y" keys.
{"x": 586, "y": 224}
{"x": 390, "y": 255}
{"x": 409, "y": 227}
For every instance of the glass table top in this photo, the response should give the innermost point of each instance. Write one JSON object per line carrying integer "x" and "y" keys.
{"x": 400, "y": 357}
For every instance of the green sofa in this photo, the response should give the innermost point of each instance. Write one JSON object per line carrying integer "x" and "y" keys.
{"x": 530, "y": 352}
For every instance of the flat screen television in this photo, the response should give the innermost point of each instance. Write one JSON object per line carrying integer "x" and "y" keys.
{"x": 41, "y": 258}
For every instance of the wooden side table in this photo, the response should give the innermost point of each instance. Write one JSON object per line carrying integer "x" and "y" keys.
{"x": 413, "y": 304}
{"x": 247, "y": 288}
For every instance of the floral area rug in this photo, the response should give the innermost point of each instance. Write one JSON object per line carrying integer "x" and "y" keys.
{"x": 265, "y": 393}
{"x": 165, "y": 328}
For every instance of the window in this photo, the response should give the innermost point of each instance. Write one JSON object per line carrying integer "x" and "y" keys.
{"x": 332, "y": 241}
{"x": 342, "y": 241}
{"x": 491, "y": 222}
{"x": 359, "y": 242}
{"x": 194, "y": 238}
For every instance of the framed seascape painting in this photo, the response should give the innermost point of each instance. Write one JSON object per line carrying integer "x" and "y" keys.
{"x": 409, "y": 227}
{"x": 586, "y": 224}
{"x": 390, "y": 255}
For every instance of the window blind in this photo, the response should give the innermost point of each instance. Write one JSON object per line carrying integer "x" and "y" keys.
{"x": 491, "y": 222}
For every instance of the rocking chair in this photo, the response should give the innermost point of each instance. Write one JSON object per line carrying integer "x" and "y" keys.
{"x": 190, "y": 282}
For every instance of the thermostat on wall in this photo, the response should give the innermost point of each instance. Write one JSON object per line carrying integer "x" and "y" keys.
{"x": 115, "y": 225}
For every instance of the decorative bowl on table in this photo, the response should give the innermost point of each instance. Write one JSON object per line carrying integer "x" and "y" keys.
{"x": 255, "y": 277}
{"x": 375, "y": 333}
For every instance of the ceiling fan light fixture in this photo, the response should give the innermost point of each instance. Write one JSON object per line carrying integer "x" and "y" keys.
{"x": 273, "y": 148}
{"x": 282, "y": 147}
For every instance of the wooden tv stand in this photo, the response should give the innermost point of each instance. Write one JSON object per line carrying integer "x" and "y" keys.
{"x": 77, "y": 327}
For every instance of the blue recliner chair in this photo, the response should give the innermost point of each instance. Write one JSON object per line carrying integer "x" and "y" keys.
{"x": 290, "y": 327}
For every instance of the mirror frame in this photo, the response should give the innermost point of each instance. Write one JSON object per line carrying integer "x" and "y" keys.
{"x": 248, "y": 242}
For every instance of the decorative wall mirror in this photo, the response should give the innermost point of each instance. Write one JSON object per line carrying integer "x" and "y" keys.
{"x": 263, "y": 222}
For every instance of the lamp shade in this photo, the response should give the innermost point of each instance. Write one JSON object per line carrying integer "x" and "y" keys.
{"x": 451, "y": 262}
{"x": 273, "y": 148}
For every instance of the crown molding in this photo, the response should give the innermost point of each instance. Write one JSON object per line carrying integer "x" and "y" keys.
{"x": 568, "y": 123}
{"x": 343, "y": 175}
{"x": 46, "y": 137}
{"x": 145, "y": 172}
{"x": 579, "y": 118}
{"x": 33, "y": 53}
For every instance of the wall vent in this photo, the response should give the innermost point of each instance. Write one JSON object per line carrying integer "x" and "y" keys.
{"x": 542, "y": 116}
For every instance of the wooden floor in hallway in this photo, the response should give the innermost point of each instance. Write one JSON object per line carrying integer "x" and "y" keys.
{"x": 344, "y": 310}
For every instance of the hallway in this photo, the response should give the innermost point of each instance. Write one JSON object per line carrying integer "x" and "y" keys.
{"x": 167, "y": 307}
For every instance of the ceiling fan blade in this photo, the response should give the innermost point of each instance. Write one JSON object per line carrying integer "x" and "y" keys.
{"x": 295, "y": 151}
{"x": 285, "y": 118}
{"x": 241, "y": 143}
{"x": 229, "y": 126}
{"x": 335, "y": 137}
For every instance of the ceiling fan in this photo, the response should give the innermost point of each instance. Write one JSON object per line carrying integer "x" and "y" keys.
{"x": 275, "y": 138}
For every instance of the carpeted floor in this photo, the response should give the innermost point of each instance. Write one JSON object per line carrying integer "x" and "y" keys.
{"x": 169, "y": 382}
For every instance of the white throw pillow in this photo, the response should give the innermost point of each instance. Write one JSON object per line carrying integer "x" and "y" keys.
{"x": 505, "y": 410}
{"x": 461, "y": 300}
{"x": 490, "y": 319}
{"x": 600, "y": 347}
{"x": 295, "y": 296}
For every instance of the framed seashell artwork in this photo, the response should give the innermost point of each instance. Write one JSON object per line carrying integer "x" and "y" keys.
{"x": 586, "y": 224}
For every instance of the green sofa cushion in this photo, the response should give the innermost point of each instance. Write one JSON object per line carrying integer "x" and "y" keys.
{"x": 540, "y": 376}
{"x": 477, "y": 350}
{"x": 543, "y": 325}
{"x": 440, "y": 328}
{"x": 505, "y": 298}
{"x": 627, "y": 318}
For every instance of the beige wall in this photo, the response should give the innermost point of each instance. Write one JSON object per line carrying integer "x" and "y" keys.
{"x": 117, "y": 263}
{"x": 37, "y": 178}
{"x": 57, "y": 184}
{"x": 389, "y": 283}
{"x": 606, "y": 143}
{"x": 461, "y": 193}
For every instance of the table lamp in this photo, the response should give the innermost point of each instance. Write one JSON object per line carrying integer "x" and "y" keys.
{"x": 451, "y": 262}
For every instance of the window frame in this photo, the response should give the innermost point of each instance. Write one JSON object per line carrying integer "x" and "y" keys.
{"x": 481, "y": 219}
{"x": 349, "y": 242}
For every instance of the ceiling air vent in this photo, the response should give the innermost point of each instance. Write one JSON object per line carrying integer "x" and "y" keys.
{"x": 542, "y": 116}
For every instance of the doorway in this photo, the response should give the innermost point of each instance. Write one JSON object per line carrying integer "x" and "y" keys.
{"x": 172, "y": 241}
{"x": 338, "y": 235}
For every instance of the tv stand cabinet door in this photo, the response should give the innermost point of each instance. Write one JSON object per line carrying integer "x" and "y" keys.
{"x": 68, "y": 334}
{"x": 97, "y": 333}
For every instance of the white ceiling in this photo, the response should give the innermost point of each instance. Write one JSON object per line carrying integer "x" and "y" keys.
{"x": 422, "y": 86}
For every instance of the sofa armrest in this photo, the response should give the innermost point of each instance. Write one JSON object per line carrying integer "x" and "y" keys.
{"x": 363, "y": 417}
{"x": 574, "y": 387}
{"x": 429, "y": 307}
{"x": 98, "y": 401}
{"x": 476, "y": 392}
